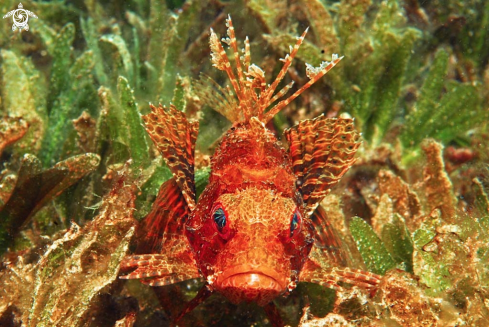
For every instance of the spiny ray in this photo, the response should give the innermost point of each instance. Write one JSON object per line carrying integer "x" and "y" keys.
{"x": 331, "y": 277}
{"x": 287, "y": 62}
{"x": 251, "y": 77}
{"x": 282, "y": 92}
{"x": 161, "y": 269}
{"x": 246, "y": 97}
{"x": 322, "y": 150}
{"x": 221, "y": 61}
{"x": 175, "y": 137}
{"x": 247, "y": 54}
{"x": 314, "y": 78}
{"x": 234, "y": 46}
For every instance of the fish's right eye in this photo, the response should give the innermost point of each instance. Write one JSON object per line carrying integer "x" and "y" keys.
{"x": 295, "y": 223}
{"x": 220, "y": 218}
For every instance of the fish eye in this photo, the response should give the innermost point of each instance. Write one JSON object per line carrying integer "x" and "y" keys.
{"x": 219, "y": 217}
{"x": 295, "y": 222}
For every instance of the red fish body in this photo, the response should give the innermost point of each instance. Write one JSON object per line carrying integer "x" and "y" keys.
{"x": 256, "y": 230}
{"x": 263, "y": 243}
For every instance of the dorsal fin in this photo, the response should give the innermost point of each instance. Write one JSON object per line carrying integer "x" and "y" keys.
{"x": 175, "y": 137}
{"x": 322, "y": 150}
{"x": 217, "y": 97}
{"x": 250, "y": 87}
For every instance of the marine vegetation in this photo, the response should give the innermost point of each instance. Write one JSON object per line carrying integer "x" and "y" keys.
{"x": 81, "y": 180}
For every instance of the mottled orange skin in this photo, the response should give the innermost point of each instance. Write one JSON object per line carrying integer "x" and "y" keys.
{"x": 254, "y": 258}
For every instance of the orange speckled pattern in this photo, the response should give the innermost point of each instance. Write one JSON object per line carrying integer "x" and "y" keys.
{"x": 322, "y": 151}
{"x": 255, "y": 258}
{"x": 175, "y": 136}
{"x": 259, "y": 247}
{"x": 251, "y": 154}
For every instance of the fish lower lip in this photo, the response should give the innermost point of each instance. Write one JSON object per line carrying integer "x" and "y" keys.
{"x": 252, "y": 280}
{"x": 250, "y": 287}
{"x": 260, "y": 284}
{"x": 253, "y": 275}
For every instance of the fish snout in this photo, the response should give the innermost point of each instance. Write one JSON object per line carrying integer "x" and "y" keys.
{"x": 251, "y": 283}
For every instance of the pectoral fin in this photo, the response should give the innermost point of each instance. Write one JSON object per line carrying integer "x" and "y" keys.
{"x": 322, "y": 151}
{"x": 175, "y": 137}
{"x": 314, "y": 272}
{"x": 161, "y": 232}
{"x": 161, "y": 269}
{"x": 326, "y": 239}
{"x": 165, "y": 222}
{"x": 328, "y": 260}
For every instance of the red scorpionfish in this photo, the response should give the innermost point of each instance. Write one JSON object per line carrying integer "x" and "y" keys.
{"x": 257, "y": 228}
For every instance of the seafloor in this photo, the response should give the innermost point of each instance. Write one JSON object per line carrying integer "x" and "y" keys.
{"x": 78, "y": 171}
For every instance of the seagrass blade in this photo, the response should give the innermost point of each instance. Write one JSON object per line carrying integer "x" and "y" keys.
{"x": 322, "y": 151}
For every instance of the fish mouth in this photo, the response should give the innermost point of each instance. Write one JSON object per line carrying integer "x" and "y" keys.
{"x": 246, "y": 283}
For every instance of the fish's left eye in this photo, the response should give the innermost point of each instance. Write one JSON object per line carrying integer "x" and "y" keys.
{"x": 295, "y": 223}
{"x": 219, "y": 217}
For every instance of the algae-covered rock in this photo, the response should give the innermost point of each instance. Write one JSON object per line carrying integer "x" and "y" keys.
{"x": 60, "y": 285}
{"x": 35, "y": 187}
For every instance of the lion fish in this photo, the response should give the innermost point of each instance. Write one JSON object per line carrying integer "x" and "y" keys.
{"x": 257, "y": 228}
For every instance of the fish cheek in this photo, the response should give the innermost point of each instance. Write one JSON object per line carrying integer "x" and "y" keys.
{"x": 206, "y": 240}
{"x": 298, "y": 247}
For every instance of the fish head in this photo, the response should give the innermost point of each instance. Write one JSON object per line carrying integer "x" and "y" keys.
{"x": 250, "y": 244}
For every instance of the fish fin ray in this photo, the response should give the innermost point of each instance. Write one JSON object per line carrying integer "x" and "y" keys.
{"x": 326, "y": 238}
{"x": 175, "y": 137}
{"x": 164, "y": 225}
{"x": 159, "y": 270}
{"x": 314, "y": 273}
{"x": 166, "y": 280}
{"x": 218, "y": 98}
{"x": 252, "y": 96}
{"x": 322, "y": 151}
{"x": 201, "y": 296}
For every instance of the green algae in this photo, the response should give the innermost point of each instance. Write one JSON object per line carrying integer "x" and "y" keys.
{"x": 374, "y": 253}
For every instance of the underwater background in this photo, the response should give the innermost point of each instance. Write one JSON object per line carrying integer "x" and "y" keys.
{"x": 78, "y": 170}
